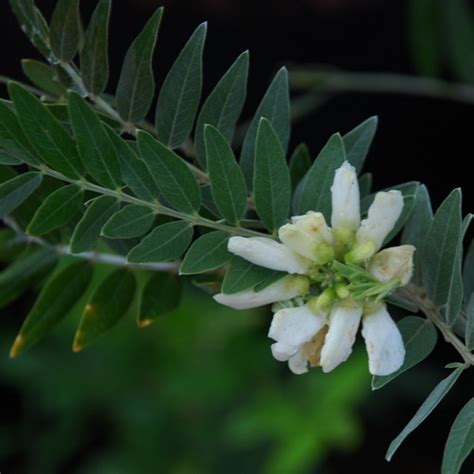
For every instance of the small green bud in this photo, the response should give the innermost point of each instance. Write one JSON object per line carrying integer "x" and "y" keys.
{"x": 342, "y": 290}
{"x": 360, "y": 253}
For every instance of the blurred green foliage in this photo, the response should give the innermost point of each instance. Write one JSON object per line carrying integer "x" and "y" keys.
{"x": 196, "y": 392}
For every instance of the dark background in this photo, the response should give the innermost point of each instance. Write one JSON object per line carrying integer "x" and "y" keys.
{"x": 418, "y": 139}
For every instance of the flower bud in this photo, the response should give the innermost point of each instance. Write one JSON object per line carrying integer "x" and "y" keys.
{"x": 284, "y": 289}
{"x": 394, "y": 263}
{"x": 345, "y": 200}
{"x": 268, "y": 253}
{"x": 309, "y": 236}
{"x": 382, "y": 217}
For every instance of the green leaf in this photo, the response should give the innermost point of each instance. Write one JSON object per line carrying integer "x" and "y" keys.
{"x": 56, "y": 210}
{"x": 460, "y": 440}
{"x": 110, "y": 302}
{"x": 206, "y": 253}
{"x": 227, "y": 181}
{"x": 13, "y": 140}
{"x": 469, "y": 336}
{"x": 14, "y": 191}
{"x": 131, "y": 221}
{"x": 426, "y": 37}
{"x": 135, "y": 173}
{"x": 57, "y": 298}
{"x": 7, "y": 159}
{"x": 300, "y": 163}
{"x": 396, "y": 300}
{"x": 468, "y": 273}
{"x": 166, "y": 242}
{"x": 243, "y": 275}
{"x": 181, "y": 91}
{"x": 271, "y": 278}
{"x": 357, "y": 142}
{"x": 275, "y": 106}
{"x": 459, "y": 25}
{"x": 136, "y": 85}
{"x": 33, "y": 265}
{"x": 314, "y": 191}
{"x": 48, "y": 137}
{"x": 441, "y": 267}
{"x": 271, "y": 183}
{"x": 365, "y": 184}
{"x": 33, "y": 24}
{"x": 416, "y": 229}
{"x": 94, "y": 53}
{"x": 161, "y": 295}
{"x": 425, "y": 410}
{"x": 94, "y": 144}
{"x": 65, "y": 30}
{"x": 43, "y": 76}
{"x": 208, "y": 201}
{"x": 223, "y": 106}
{"x": 88, "y": 229}
{"x": 174, "y": 179}
{"x": 419, "y": 336}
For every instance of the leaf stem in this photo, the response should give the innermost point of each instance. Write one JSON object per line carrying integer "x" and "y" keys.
{"x": 128, "y": 127}
{"x": 194, "y": 219}
{"x": 418, "y": 296}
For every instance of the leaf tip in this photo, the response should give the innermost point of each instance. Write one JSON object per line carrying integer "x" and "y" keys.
{"x": 17, "y": 345}
{"x": 143, "y": 323}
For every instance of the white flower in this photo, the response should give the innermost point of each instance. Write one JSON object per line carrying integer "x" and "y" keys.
{"x": 345, "y": 199}
{"x": 284, "y": 289}
{"x": 349, "y": 279}
{"x": 393, "y": 263}
{"x": 268, "y": 253}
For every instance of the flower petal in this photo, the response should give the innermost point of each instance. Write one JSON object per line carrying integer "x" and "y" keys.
{"x": 393, "y": 263}
{"x": 282, "y": 352}
{"x": 309, "y": 236}
{"x": 343, "y": 324}
{"x": 295, "y": 326}
{"x": 298, "y": 363}
{"x": 284, "y": 289}
{"x": 383, "y": 215}
{"x": 268, "y": 253}
{"x": 383, "y": 341}
{"x": 345, "y": 198}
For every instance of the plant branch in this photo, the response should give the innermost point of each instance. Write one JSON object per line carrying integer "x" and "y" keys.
{"x": 97, "y": 257}
{"x": 419, "y": 297}
{"x": 320, "y": 79}
{"x": 194, "y": 219}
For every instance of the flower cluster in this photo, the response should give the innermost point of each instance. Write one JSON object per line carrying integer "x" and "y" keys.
{"x": 337, "y": 277}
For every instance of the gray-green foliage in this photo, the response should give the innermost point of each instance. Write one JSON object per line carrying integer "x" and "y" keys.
{"x": 85, "y": 177}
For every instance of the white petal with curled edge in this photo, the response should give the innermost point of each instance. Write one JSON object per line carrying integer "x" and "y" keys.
{"x": 343, "y": 324}
{"x": 284, "y": 289}
{"x": 298, "y": 363}
{"x": 383, "y": 215}
{"x": 295, "y": 326}
{"x": 383, "y": 341}
{"x": 282, "y": 352}
{"x": 315, "y": 225}
{"x": 393, "y": 263}
{"x": 268, "y": 253}
{"x": 345, "y": 198}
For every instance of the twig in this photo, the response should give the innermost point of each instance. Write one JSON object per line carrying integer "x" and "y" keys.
{"x": 419, "y": 297}
{"x": 98, "y": 257}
